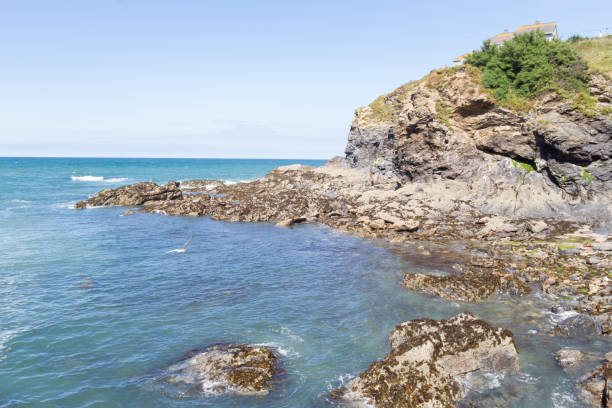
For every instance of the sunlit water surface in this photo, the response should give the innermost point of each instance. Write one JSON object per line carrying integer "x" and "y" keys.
{"x": 92, "y": 306}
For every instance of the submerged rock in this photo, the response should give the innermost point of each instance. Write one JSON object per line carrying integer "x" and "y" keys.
{"x": 225, "y": 368}
{"x": 594, "y": 388}
{"x": 578, "y": 325}
{"x": 470, "y": 286}
{"x": 428, "y": 359}
{"x": 135, "y": 194}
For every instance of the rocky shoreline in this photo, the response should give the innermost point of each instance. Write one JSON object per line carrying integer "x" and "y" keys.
{"x": 527, "y": 195}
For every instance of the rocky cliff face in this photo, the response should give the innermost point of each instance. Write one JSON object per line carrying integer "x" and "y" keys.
{"x": 557, "y": 155}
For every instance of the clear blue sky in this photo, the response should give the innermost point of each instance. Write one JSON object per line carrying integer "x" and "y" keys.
{"x": 229, "y": 78}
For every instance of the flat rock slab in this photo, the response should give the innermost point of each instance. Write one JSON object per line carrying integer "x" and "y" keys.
{"x": 225, "y": 368}
{"x": 428, "y": 358}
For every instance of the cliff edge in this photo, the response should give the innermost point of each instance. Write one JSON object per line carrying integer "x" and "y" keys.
{"x": 551, "y": 160}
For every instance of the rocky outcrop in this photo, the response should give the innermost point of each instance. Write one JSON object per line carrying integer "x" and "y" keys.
{"x": 428, "y": 359}
{"x": 225, "y": 368}
{"x": 472, "y": 285}
{"x": 594, "y": 387}
{"x": 146, "y": 193}
{"x": 200, "y": 185}
{"x": 447, "y": 127}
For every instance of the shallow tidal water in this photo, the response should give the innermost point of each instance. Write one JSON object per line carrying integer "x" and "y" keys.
{"x": 92, "y": 307}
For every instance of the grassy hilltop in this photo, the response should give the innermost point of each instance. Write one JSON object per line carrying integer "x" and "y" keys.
{"x": 516, "y": 73}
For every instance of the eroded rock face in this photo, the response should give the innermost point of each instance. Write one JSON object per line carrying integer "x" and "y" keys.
{"x": 145, "y": 193}
{"x": 225, "y": 368}
{"x": 447, "y": 127}
{"x": 427, "y": 359}
{"x": 594, "y": 388}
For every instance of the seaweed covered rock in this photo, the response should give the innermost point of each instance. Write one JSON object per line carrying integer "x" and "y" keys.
{"x": 200, "y": 185}
{"x": 594, "y": 388}
{"x": 135, "y": 194}
{"x": 428, "y": 359}
{"x": 470, "y": 286}
{"x": 225, "y": 368}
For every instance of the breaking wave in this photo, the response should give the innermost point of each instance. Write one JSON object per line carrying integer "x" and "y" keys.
{"x": 98, "y": 178}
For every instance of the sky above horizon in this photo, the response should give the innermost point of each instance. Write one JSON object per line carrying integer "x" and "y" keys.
{"x": 242, "y": 79}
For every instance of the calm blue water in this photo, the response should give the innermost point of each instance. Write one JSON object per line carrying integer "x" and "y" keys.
{"x": 325, "y": 301}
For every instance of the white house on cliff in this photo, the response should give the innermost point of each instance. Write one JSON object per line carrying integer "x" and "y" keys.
{"x": 549, "y": 29}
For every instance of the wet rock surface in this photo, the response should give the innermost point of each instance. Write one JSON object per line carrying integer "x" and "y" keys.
{"x": 594, "y": 388}
{"x": 428, "y": 358}
{"x": 225, "y": 368}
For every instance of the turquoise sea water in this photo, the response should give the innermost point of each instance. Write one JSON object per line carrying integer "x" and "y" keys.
{"x": 325, "y": 301}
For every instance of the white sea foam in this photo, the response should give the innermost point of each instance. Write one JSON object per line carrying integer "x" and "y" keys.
{"x": 232, "y": 182}
{"x": 98, "y": 178}
{"x": 285, "y": 331}
{"x": 562, "y": 400}
{"x": 339, "y": 381}
{"x": 561, "y": 316}
{"x": 282, "y": 349}
{"x": 86, "y": 178}
{"x": 6, "y": 336}
{"x": 20, "y": 201}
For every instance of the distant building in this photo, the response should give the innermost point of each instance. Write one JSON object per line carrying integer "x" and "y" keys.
{"x": 460, "y": 60}
{"x": 499, "y": 39}
{"x": 549, "y": 30}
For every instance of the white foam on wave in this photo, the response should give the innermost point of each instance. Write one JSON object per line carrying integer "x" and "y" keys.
{"x": 98, "y": 178}
{"x": 561, "y": 316}
{"x": 20, "y": 201}
{"x": 232, "y": 182}
{"x": 285, "y": 331}
{"x": 86, "y": 178}
{"x": 6, "y": 336}
{"x": 282, "y": 349}
{"x": 562, "y": 400}
{"x": 339, "y": 381}
{"x": 67, "y": 206}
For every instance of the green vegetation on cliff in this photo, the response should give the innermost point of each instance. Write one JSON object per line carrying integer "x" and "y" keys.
{"x": 528, "y": 64}
{"x": 596, "y": 52}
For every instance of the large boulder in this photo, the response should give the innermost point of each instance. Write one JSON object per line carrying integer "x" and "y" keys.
{"x": 429, "y": 360}
{"x": 225, "y": 368}
{"x": 134, "y": 194}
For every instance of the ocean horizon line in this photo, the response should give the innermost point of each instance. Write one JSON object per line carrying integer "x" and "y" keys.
{"x": 160, "y": 158}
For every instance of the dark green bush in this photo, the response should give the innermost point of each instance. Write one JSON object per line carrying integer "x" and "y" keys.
{"x": 527, "y": 65}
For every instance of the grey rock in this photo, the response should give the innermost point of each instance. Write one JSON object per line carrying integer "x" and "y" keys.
{"x": 578, "y": 325}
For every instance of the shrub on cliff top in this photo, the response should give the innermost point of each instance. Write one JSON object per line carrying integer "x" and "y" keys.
{"x": 527, "y": 65}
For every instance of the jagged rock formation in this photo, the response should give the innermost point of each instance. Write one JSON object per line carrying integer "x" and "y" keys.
{"x": 146, "y": 193}
{"x": 447, "y": 127}
{"x": 428, "y": 358}
{"x": 594, "y": 387}
{"x": 225, "y": 368}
